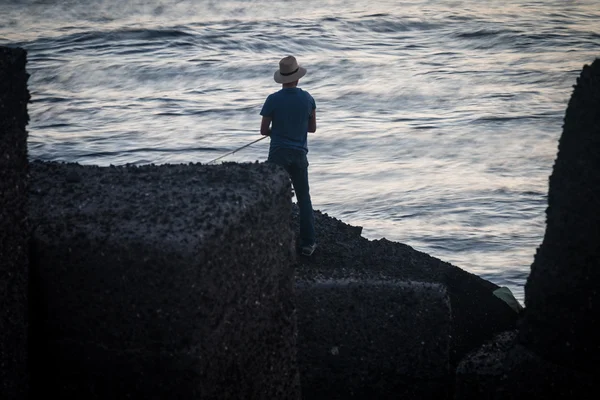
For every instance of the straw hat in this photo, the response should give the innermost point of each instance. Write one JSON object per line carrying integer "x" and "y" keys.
{"x": 289, "y": 70}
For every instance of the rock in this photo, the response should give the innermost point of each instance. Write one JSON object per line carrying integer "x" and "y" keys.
{"x": 373, "y": 339}
{"x": 555, "y": 352}
{"x": 562, "y": 299}
{"x": 14, "y": 226}
{"x": 505, "y": 369}
{"x": 72, "y": 177}
{"x": 466, "y": 315}
{"x": 163, "y": 282}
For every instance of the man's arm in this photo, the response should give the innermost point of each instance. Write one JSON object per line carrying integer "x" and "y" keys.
{"x": 265, "y": 125}
{"x": 312, "y": 122}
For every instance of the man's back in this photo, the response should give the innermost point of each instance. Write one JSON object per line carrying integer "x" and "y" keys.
{"x": 290, "y": 110}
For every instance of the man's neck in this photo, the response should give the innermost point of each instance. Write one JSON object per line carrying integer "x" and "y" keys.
{"x": 289, "y": 85}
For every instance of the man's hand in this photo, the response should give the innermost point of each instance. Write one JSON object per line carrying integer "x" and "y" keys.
{"x": 312, "y": 122}
{"x": 265, "y": 126}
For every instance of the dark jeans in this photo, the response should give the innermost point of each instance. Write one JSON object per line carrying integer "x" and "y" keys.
{"x": 296, "y": 165}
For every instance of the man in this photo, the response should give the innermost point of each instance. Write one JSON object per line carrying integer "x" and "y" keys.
{"x": 287, "y": 116}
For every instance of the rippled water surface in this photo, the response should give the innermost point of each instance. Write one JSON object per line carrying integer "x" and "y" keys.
{"x": 438, "y": 120}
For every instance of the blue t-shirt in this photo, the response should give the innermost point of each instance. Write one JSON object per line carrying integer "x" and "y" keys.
{"x": 290, "y": 110}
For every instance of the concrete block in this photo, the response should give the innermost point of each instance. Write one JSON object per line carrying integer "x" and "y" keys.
{"x": 158, "y": 282}
{"x": 562, "y": 320}
{"x": 477, "y": 314}
{"x": 373, "y": 339}
{"x": 503, "y": 369}
{"x": 14, "y": 228}
{"x": 555, "y": 353}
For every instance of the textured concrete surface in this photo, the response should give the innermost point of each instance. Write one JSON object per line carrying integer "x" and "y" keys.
{"x": 163, "y": 282}
{"x": 503, "y": 369}
{"x": 555, "y": 352}
{"x": 562, "y": 321}
{"x": 14, "y": 229}
{"x": 477, "y": 314}
{"x": 373, "y": 339}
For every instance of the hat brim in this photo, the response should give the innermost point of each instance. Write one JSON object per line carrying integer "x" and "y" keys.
{"x": 289, "y": 78}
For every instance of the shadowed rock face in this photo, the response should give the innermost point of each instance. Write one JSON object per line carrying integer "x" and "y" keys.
{"x": 555, "y": 352}
{"x": 176, "y": 280}
{"x": 163, "y": 282}
{"x": 368, "y": 339}
{"x": 466, "y": 314}
{"x": 13, "y": 223}
{"x": 342, "y": 253}
{"x": 505, "y": 369}
{"x": 562, "y": 295}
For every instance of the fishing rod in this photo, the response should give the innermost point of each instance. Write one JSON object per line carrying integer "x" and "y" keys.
{"x": 236, "y": 150}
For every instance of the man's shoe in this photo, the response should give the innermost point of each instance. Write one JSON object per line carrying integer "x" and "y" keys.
{"x": 308, "y": 249}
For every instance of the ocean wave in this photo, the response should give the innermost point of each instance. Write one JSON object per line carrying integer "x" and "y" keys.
{"x": 108, "y": 37}
{"x": 484, "y": 33}
{"x": 385, "y": 24}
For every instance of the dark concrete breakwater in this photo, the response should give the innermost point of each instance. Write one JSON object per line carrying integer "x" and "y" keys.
{"x": 13, "y": 223}
{"x": 182, "y": 282}
{"x": 191, "y": 269}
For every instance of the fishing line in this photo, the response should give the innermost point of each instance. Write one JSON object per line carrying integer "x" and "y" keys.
{"x": 236, "y": 150}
